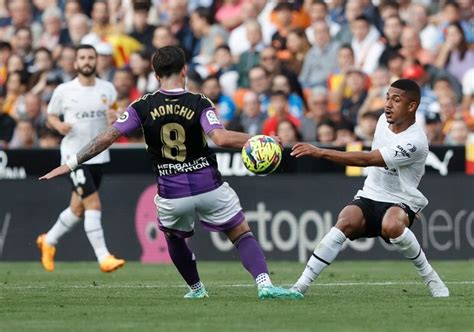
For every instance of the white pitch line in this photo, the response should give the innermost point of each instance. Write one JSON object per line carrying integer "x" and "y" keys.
{"x": 335, "y": 284}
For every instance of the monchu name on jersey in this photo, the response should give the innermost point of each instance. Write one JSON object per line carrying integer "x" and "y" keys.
{"x": 177, "y": 109}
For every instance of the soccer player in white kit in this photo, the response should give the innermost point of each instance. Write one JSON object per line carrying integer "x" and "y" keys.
{"x": 389, "y": 200}
{"x": 85, "y": 103}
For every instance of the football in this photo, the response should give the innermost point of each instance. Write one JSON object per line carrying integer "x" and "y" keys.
{"x": 261, "y": 154}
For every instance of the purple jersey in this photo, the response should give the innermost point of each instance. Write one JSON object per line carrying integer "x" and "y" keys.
{"x": 174, "y": 124}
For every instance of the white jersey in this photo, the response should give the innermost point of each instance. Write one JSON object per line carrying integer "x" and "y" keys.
{"x": 404, "y": 154}
{"x": 85, "y": 109}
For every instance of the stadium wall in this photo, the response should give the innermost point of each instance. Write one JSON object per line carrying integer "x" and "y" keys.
{"x": 289, "y": 212}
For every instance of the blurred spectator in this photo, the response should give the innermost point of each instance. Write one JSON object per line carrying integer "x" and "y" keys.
{"x": 210, "y": 35}
{"x": 458, "y": 132}
{"x": 126, "y": 90}
{"x": 224, "y": 105}
{"x": 321, "y": 59}
{"x": 317, "y": 112}
{"x": 448, "y": 111}
{"x": 225, "y": 70}
{"x": 284, "y": 17}
{"x": 468, "y": 98}
{"x": 419, "y": 20}
{"x": 7, "y": 128}
{"x": 22, "y": 44}
{"x": 297, "y": 47}
{"x": 344, "y": 133}
{"x": 270, "y": 62}
{"x": 25, "y": 136}
{"x": 366, "y": 44}
{"x": 16, "y": 86}
{"x": 451, "y": 13}
{"x": 279, "y": 110}
{"x": 288, "y": 133}
{"x": 100, "y": 16}
{"x": 318, "y": 11}
{"x": 455, "y": 54}
{"x": 21, "y": 13}
{"x": 260, "y": 83}
{"x": 434, "y": 128}
{"x": 336, "y": 80}
{"x": 357, "y": 83}
{"x": 141, "y": 30}
{"x": 66, "y": 71}
{"x": 72, "y": 7}
{"x": 49, "y": 138}
{"x": 5, "y": 53}
{"x": 429, "y": 100}
{"x": 395, "y": 63}
{"x": 43, "y": 67}
{"x": 392, "y": 31}
{"x": 179, "y": 24}
{"x": 30, "y": 109}
{"x": 240, "y": 37}
{"x": 78, "y": 26}
{"x": 365, "y": 128}
{"x": 51, "y": 18}
{"x": 295, "y": 102}
{"x": 251, "y": 118}
{"x": 353, "y": 9}
{"x": 412, "y": 49}
{"x": 326, "y": 132}
{"x": 375, "y": 101}
{"x": 105, "y": 61}
{"x": 162, "y": 36}
{"x": 228, "y": 14}
{"x": 250, "y": 57}
{"x": 140, "y": 65}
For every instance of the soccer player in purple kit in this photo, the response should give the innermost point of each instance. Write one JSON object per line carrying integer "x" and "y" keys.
{"x": 190, "y": 187}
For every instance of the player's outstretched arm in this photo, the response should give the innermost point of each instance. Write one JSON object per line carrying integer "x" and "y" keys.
{"x": 228, "y": 138}
{"x": 352, "y": 158}
{"x": 92, "y": 149}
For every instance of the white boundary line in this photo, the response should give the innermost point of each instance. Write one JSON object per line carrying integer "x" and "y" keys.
{"x": 138, "y": 286}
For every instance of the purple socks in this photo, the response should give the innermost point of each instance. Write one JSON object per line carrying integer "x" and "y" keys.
{"x": 251, "y": 254}
{"x": 183, "y": 259}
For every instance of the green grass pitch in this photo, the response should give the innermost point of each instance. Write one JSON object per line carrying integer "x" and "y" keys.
{"x": 349, "y": 296}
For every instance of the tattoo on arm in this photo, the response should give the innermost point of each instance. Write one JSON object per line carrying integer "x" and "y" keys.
{"x": 98, "y": 144}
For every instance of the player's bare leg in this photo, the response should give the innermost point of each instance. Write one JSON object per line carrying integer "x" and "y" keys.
{"x": 350, "y": 224}
{"x": 95, "y": 234}
{"x": 69, "y": 218}
{"x": 394, "y": 227}
{"x": 185, "y": 261}
{"x": 253, "y": 259}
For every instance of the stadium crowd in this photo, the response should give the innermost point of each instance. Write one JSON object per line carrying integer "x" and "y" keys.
{"x": 308, "y": 70}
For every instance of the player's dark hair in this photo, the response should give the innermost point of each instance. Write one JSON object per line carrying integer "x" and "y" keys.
{"x": 85, "y": 47}
{"x": 410, "y": 87}
{"x": 168, "y": 60}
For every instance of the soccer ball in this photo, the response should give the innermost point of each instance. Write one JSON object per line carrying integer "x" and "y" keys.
{"x": 261, "y": 154}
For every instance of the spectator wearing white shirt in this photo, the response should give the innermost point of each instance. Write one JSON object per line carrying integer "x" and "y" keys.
{"x": 366, "y": 44}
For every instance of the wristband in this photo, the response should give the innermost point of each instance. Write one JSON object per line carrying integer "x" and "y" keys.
{"x": 72, "y": 162}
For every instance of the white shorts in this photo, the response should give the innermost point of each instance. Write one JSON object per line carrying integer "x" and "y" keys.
{"x": 218, "y": 210}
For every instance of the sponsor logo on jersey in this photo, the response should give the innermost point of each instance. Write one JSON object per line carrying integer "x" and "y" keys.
{"x": 103, "y": 99}
{"x": 411, "y": 147}
{"x": 90, "y": 114}
{"x": 212, "y": 118}
{"x": 123, "y": 117}
{"x": 401, "y": 150}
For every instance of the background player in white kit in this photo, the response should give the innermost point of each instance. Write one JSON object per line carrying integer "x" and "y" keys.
{"x": 389, "y": 200}
{"x": 85, "y": 103}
